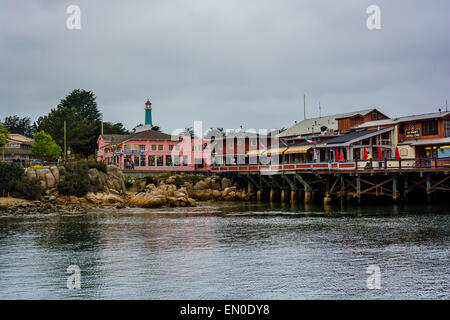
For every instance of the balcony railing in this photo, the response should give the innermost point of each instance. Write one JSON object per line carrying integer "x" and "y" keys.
{"x": 373, "y": 164}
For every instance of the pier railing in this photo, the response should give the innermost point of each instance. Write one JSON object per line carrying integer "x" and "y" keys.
{"x": 372, "y": 164}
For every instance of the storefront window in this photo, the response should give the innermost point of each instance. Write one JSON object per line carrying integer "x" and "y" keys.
{"x": 159, "y": 160}
{"x": 151, "y": 160}
{"x": 169, "y": 162}
{"x": 185, "y": 160}
{"x": 142, "y": 162}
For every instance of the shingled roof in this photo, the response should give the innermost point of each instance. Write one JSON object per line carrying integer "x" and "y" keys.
{"x": 143, "y": 135}
{"x": 309, "y": 126}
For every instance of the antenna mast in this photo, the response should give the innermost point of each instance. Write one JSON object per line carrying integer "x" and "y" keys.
{"x": 320, "y": 111}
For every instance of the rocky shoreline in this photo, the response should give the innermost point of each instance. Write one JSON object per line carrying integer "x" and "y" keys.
{"x": 171, "y": 191}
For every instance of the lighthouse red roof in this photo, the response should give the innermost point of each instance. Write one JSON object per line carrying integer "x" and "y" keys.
{"x": 148, "y": 102}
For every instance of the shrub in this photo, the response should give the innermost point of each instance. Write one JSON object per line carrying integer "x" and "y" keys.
{"x": 165, "y": 175}
{"x": 100, "y": 166}
{"x": 128, "y": 181}
{"x": 10, "y": 175}
{"x": 150, "y": 179}
{"x": 74, "y": 181}
{"x": 31, "y": 190}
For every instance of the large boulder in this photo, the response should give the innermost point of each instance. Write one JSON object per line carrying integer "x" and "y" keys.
{"x": 201, "y": 185}
{"x": 156, "y": 202}
{"x": 226, "y": 183}
{"x": 40, "y": 174}
{"x": 31, "y": 174}
{"x": 50, "y": 179}
{"x": 55, "y": 172}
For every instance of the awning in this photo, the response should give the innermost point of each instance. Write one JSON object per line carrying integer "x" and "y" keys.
{"x": 255, "y": 152}
{"x": 430, "y": 142}
{"x": 297, "y": 149}
{"x": 275, "y": 151}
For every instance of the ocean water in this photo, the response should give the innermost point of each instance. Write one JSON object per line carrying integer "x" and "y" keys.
{"x": 229, "y": 251}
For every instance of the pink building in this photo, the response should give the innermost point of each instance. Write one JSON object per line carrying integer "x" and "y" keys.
{"x": 147, "y": 149}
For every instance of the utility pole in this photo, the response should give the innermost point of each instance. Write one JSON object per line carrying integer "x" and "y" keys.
{"x": 65, "y": 148}
{"x": 304, "y": 107}
{"x": 102, "y": 124}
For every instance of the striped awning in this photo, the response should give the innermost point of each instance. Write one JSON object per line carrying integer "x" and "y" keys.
{"x": 297, "y": 149}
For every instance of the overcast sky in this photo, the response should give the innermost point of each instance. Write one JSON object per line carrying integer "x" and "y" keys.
{"x": 226, "y": 62}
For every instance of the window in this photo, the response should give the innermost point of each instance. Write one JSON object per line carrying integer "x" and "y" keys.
{"x": 142, "y": 161}
{"x": 151, "y": 160}
{"x": 239, "y": 142}
{"x": 127, "y": 147}
{"x": 169, "y": 162}
{"x": 253, "y": 142}
{"x": 447, "y": 128}
{"x": 374, "y": 116}
{"x": 142, "y": 147}
{"x": 429, "y": 127}
{"x": 159, "y": 160}
{"x": 160, "y": 147}
{"x": 136, "y": 147}
{"x": 176, "y": 161}
{"x": 153, "y": 147}
{"x": 185, "y": 160}
{"x": 170, "y": 147}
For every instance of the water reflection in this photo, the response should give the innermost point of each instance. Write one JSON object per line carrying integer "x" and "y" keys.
{"x": 229, "y": 250}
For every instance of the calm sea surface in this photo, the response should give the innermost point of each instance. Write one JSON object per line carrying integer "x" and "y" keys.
{"x": 229, "y": 251}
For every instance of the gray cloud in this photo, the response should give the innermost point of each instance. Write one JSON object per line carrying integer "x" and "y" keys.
{"x": 228, "y": 63}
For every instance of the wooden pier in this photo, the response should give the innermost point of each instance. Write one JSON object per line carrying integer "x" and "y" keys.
{"x": 396, "y": 179}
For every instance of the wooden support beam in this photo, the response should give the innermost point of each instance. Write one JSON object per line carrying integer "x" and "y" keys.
{"x": 289, "y": 181}
{"x": 266, "y": 182}
{"x": 394, "y": 188}
{"x": 275, "y": 182}
{"x": 305, "y": 184}
{"x": 358, "y": 189}
{"x": 377, "y": 185}
{"x": 255, "y": 183}
{"x": 435, "y": 186}
{"x": 335, "y": 183}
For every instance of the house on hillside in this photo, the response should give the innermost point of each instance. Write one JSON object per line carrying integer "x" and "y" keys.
{"x": 18, "y": 149}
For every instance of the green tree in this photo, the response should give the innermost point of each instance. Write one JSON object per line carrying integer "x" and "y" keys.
{"x": 79, "y": 110}
{"x": 3, "y": 136}
{"x": 114, "y": 128}
{"x": 81, "y": 135}
{"x": 84, "y": 102}
{"x": 19, "y": 125}
{"x": 44, "y": 147}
